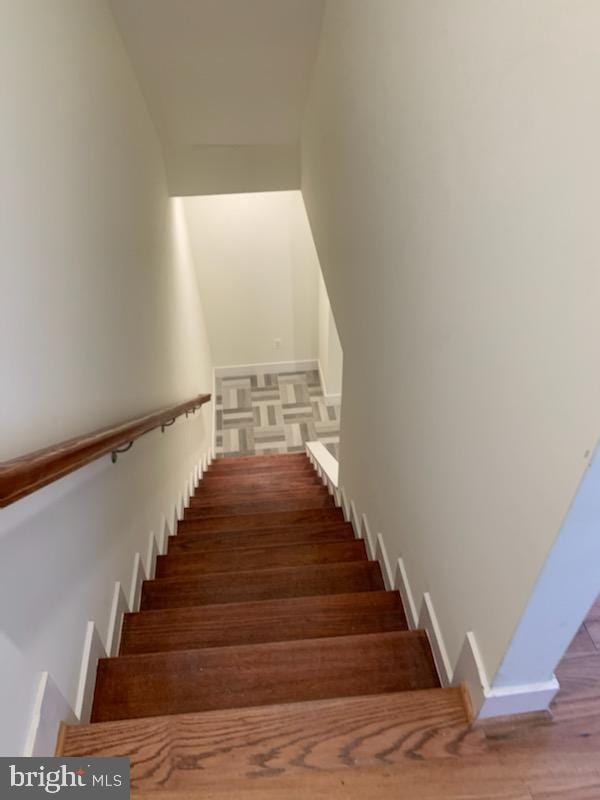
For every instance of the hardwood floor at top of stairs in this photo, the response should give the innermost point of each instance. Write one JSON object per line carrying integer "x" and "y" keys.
{"x": 268, "y": 661}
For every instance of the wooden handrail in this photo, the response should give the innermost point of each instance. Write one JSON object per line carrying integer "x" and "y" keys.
{"x": 26, "y": 474}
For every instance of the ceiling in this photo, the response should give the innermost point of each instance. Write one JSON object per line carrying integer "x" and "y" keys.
{"x": 225, "y": 81}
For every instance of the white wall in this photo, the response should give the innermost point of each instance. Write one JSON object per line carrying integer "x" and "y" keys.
{"x": 330, "y": 348}
{"x": 451, "y": 173}
{"x": 224, "y": 169}
{"x": 258, "y": 274}
{"x": 101, "y": 320}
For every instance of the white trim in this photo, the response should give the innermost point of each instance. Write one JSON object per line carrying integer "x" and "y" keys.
{"x": 138, "y": 576}
{"x": 428, "y": 621}
{"x": 325, "y": 460}
{"x": 93, "y": 649}
{"x": 151, "y": 554}
{"x": 382, "y": 556}
{"x": 172, "y": 522}
{"x": 49, "y": 709}
{"x": 163, "y": 540}
{"x": 402, "y": 584}
{"x": 118, "y": 608}
{"x": 213, "y": 438}
{"x": 345, "y": 505}
{"x": 498, "y": 701}
{"x": 354, "y": 521}
{"x": 366, "y": 535}
{"x": 240, "y": 370}
{"x": 180, "y": 508}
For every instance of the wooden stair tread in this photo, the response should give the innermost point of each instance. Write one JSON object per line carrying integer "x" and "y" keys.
{"x": 263, "y": 520}
{"x": 183, "y": 681}
{"x": 269, "y": 459}
{"x": 260, "y": 481}
{"x": 203, "y": 498}
{"x": 251, "y": 558}
{"x": 193, "y": 750}
{"x": 256, "y": 506}
{"x": 225, "y": 540}
{"x": 262, "y": 621}
{"x": 264, "y": 584}
{"x": 262, "y": 469}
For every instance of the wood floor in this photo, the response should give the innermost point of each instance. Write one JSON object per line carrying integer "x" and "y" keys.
{"x": 268, "y": 661}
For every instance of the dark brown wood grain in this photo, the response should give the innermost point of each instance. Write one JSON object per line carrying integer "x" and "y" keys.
{"x": 278, "y": 463}
{"x": 249, "y": 481}
{"x": 28, "y": 473}
{"x": 251, "y": 460}
{"x": 253, "y": 675}
{"x": 209, "y": 497}
{"x": 261, "y": 521}
{"x": 263, "y": 621}
{"x": 266, "y": 557}
{"x": 300, "y": 469}
{"x": 263, "y": 584}
{"x": 234, "y": 507}
{"x": 223, "y": 541}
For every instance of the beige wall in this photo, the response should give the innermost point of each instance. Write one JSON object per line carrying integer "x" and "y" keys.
{"x": 230, "y": 169}
{"x": 258, "y": 273}
{"x": 451, "y": 172}
{"x": 101, "y": 319}
{"x": 330, "y": 348}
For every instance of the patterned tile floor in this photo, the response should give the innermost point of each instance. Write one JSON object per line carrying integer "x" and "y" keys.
{"x": 274, "y": 413}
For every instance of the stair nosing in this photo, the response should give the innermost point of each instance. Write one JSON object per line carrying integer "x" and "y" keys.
{"x": 230, "y": 712}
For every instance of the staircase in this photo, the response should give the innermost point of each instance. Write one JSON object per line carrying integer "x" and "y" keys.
{"x": 265, "y": 646}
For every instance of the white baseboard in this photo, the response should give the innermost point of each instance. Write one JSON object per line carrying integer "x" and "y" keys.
{"x": 384, "y": 562}
{"x": 355, "y": 521}
{"x": 428, "y": 621}
{"x": 367, "y": 536}
{"x": 151, "y": 554}
{"x": 345, "y": 506}
{"x": 138, "y": 576}
{"x": 118, "y": 607}
{"x": 49, "y": 709}
{"x": 181, "y": 504}
{"x": 163, "y": 539}
{"x": 402, "y": 584}
{"x": 93, "y": 649}
{"x": 240, "y": 370}
{"x": 498, "y": 701}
